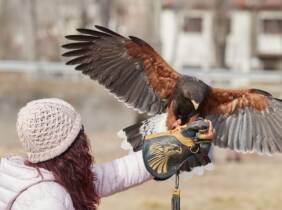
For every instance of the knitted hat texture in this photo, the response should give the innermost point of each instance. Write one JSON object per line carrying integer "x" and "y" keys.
{"x": 47, "y": 127}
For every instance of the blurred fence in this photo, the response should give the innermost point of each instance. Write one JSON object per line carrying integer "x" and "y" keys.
{"x": 270, "y": 80}
{"x": 55, "y": 70}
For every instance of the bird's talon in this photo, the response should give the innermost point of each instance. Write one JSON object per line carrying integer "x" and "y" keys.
{"x": 206, "y": 134}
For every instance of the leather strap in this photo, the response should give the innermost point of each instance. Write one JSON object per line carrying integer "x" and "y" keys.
{"x": 12, "y": 201}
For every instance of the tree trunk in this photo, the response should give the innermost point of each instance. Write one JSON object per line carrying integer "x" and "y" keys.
{"x": 220, "y": 27}
{"x": 34, "y": 30}
{"x": 105, "y": 11}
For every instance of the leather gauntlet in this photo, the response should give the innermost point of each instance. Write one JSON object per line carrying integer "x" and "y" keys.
{"x": 180, "y": 149}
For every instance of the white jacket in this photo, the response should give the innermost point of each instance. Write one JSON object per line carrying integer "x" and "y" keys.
{"x": 112, "y": 177}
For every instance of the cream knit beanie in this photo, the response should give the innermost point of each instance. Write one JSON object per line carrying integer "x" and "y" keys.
{"x": 47, "y": 127}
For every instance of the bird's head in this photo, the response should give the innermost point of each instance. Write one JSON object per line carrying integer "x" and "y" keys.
{"x": 187, "y": 97}
{"x": 194, "y": 90}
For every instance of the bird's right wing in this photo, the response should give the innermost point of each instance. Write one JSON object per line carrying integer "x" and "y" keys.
{"x": 128, "y": 67}
{"x": 245, "y": 120}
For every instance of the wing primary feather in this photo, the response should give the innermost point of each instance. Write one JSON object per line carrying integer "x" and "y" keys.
{"x": 144, "y": 98}
{"x": 136, "y": 91}
{"x": 101, "y": 28}
{"x": 249, "y": 130}
{"x": 93, "y": 33}
{"x": 76, "y": 52}
{"x": 77, "y": 45}
{"x": 85, "y": 68}
{"x": 243, "y": 133}
{"x": 79, "y": 60}
{"x": 271, "y": 134}
{"x": 110, "y": 56}
{"x": 142, "y": 95}
{"x": 258, "y": 134}
{"x": 102, "y": 65}
{"x": 81, "y": 38}
{"x": 271, "y": 138}
{"x": 105, "y": 71}
{"x": 265, "y": 145}
{"x": 235, "y": 142}
{"x": 126, "y": 80}
{"x": 276, "y": 123}
{"x": 118, "y": 86}
{"x": 277, "y": 132}
{"x": 154, "y": 106}
{"x": 220, "y": 129}
{"x": 148, "y": 99}
{"x": 115, "y": 76}
{"x": 130, "y": 94}
{"x": 231, "y": 129}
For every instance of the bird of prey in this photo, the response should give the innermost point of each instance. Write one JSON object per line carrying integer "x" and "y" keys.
{"x": 247, "y": 120}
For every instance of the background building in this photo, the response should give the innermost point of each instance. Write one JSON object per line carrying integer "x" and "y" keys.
{"x": 246, "y": 34}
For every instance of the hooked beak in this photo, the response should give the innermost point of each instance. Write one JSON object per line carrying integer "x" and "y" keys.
{"x": 195, "y": 104}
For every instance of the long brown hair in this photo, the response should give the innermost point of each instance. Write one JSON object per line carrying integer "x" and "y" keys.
{"x": 72, "y": 170}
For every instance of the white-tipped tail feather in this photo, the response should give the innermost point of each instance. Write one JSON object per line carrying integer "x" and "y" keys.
{"x": 154, "y": 124}
{"x": 124, "y": 144}
{"x": 135, "y": 134}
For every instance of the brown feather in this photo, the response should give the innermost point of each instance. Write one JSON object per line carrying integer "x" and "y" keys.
{"x": 244, "y": 120}
{"x": 160, "y": 75}
{"x": 223, "y": 101}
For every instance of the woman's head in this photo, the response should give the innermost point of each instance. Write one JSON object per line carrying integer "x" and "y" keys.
{"x": 47, "y": 127}
{"x": 52, "y": 133}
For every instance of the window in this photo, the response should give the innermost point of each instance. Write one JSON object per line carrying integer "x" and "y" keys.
{"x": 193, "y": 24}
{"x": 272, "y": 26}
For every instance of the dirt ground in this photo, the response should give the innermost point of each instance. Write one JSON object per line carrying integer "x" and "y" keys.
{"x": 253, "y": 184}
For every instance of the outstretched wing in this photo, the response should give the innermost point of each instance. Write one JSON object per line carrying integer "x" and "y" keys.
{"x": 128, "y": 67}
{"x": 245, "y": 120}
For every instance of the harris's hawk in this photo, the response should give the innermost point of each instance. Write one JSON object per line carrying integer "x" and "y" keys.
{"x": 244, "y": 120}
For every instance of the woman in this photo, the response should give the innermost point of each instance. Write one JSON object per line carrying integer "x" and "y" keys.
{"x": 57, "y": 173}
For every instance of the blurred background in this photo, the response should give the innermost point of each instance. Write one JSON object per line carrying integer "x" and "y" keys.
{"x": 228, "y": 43}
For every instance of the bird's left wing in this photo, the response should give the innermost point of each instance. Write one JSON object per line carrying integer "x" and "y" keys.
{"x": 245, "y": 120}
{"x": 128, "y": 67}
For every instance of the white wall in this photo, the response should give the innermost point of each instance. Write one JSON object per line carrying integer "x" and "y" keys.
{"x": 269, "y": 43}
{"x": 195, "y": 49}
{"x": 188, "y": 49}
{"x": 169, "y": 27}
{"x": 238, "y": 49}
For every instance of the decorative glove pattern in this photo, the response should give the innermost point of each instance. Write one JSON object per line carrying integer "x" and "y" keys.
{"x": 182, "y": 148}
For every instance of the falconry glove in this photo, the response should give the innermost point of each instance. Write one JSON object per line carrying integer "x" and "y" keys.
{"x": 166, "y": 153}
